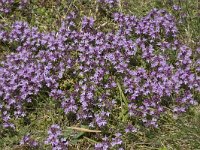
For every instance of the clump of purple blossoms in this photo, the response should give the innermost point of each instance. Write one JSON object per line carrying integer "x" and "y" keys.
{"x": 116, "y": 143}
{"x": 143, "y": 56}
{"x": 7, "y": 5}
{"x": 110, "y": 3}
{"x": 104, "y": 145}
{"x": 28, "y": 141}
{"x": 55, "y": 138}
{"x": 176, "y": 7}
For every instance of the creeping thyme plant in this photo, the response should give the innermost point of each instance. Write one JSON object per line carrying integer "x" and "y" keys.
{"x": 115, "y": 82}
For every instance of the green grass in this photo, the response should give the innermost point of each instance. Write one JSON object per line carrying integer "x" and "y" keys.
{"x": 175, "y": 134}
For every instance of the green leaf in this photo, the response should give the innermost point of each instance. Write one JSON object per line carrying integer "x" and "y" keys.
{"x": 68, "y": 133}
{"x": 78, "y": 135}
{"x": 163, "y": 148}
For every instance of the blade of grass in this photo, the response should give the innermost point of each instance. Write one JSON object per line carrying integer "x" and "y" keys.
{"x": 84, "y": 130}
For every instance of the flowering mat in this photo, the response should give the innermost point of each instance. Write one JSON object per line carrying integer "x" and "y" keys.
{"x": 99, "y": 80}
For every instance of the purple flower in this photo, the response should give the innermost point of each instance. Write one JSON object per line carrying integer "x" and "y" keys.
{"x": 176, "y": 7}
{"x": 117, "y": 140}
{"x": 26, "y": 140}
{"x": 104, "y": 145}
{"x": 130, "y": 128}
{"x": 55, "y": 138}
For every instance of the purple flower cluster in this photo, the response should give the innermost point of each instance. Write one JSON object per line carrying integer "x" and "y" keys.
{"x": 7, "y": 5}
{"x": 176, "y": 7}
{"x": 28, "y": 141}
{"x": 110, "y": 3}
{"x": 106, "y": 144}
{"x": 157, "y": 24}
{"x": 55, "y": 139}
{"x": 143, "y": 57}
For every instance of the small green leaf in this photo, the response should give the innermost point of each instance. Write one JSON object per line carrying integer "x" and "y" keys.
{"x": 68, "y": 133}
{"x": 163, "y": 148}
{"x": 78, "y": 135}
